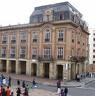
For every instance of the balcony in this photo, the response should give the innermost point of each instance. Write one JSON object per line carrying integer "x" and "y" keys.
{"x": 34, "y": 40}
{"x": 60, "y": 39}
{"x": 3, "y": 55}
{"x": 4, "y": 42}
{"x": 60, "y": 57}
{"x": 13, "y": 41}
{"x": 47, "y": 40}
{"x": 22, "y": 56}
{"x": 23, "y": 41}
{"x": 12, "y": 55}
{"x": 45, "y": 58}
{"x": 34, "y": 56}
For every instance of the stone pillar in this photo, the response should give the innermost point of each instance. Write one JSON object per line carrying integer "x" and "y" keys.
{"x": 0, "y": 66}
{"x": 17, "y": 67}
{"x": 41, "y": 73}
{"x": 38, "y": 69}
{"x": 51, "y": 72}
{"x": 28, "y": 67}
{"x": 8, "y": 66}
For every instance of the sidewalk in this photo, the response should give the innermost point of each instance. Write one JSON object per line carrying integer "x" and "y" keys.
{"x": 50, "y": 82}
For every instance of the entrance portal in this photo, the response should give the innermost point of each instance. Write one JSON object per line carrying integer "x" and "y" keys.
{"x": 59, "y": 71}
{"x": 34, "y": 68}
{"x": 46, "y": 70}
{"x": 3, "y": 62}
{"x": 12, "y": 66}
{"x": 23, "y": 67}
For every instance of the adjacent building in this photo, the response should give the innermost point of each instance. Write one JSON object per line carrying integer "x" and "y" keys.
{"x": 53, "y": 45}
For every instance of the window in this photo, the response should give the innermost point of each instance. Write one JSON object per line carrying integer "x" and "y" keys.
{"x": 47, "y": 35}
{"x": 34, "y": 37}
{"x": 93, "y": 39}
{"x": 23, "y": 37}
{"x": 93, "y": 61}
{"x": 4, "y": 38}
{"x": 3, "y": 51}
{"x": 22, "y": 52}
{"x": 72, "y": 52}
{"x": 60, "y": 53}
{"x": 13, "y": 38}
{"x": 47, "y": 52}
{"x": 34, "y": 53}
{"x": 60, "y": 35}
{"x": 94, "y": 50}
{"x": 93, "y": 56}
{"x": 73, "y": 36}
{"x": 93, "y": 45}
{"x": 12, "y": 52}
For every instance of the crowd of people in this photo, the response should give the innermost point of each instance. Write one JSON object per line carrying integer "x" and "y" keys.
{"x": 5, "y": 88}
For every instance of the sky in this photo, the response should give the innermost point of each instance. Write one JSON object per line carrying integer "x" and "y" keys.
{"x": 14, "y": 12}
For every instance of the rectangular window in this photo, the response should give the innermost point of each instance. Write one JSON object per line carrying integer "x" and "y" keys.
{"x": 34, "y": 37}
{"x": 22, "y": 52}
{"x": 93, "y": 39}
{"x": 94, "y": 50}
{"x": 3, "y": 52}
{"x": 13, "y": 38}
{"x": 94, "y": 62}
{"x": 12, "y": 52}
{"x": 93, "y": 45}
{"x": 4, "y": 39}
{"x": 23, "y": 37}
{"x": 60, "y": 35}
{"x": 47, "y": 36}
{"x": 34, "y": 53}
{"x": 60, "y": 53}
{"x": 47, "y": 53}
{"x": 93, "y": 56}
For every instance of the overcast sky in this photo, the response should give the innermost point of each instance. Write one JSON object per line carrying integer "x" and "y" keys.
{"x": 18, "y": 11}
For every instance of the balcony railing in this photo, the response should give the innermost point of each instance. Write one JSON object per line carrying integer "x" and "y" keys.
{"x": 60, "y": 57}
{"x": 45, "y": 58}
{"x": 34, "y": 40}
{"x": 3, "y": 55}
{"x": 4, "y": 42}
{"x": 12, "y": 55}
{"x": 22, "y": 56}
{"x": 34, "y": 56}
{"x": 13, "y": 41}
{"x": 23, "y": 41}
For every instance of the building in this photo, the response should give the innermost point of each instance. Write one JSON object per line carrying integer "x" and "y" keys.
{"x": 52, "y": 45}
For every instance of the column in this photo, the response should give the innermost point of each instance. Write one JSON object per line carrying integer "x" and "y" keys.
{"x": 0, "y": 65}
{"x": 52, "y": 71}
{"x": 38, "y": 70}
{"x": 17, "y": 67}
{"x": 8, "y": 66}
{"x": 28, "y": 67}
{"x": 41, "y": 72}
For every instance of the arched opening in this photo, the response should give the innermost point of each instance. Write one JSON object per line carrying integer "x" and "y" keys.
{"x": 12, "y": 66}
{"x": 59, "y": 71}
{"x": 46, "y": 70}
{"x": 23, "y": 67}
{"x": 3, "y": 64}
{"x": 33, "y": 69}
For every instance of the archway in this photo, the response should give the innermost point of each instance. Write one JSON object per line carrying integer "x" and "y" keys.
{"x": 22, "y": 67}
{"x": 59, "y": 71}
{"x": 33, "y": 69}
{"x": 46, "y": 70}
{"x": 3, "y": 62}
{"x": 12, "y": 66}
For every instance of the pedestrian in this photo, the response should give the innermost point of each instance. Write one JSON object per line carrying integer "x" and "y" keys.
{"x": 25, "y": 92}
{"x": 65, "y": 91}
{"x": 62, "y": 92}
{"x": 23, "y": 84}
{"x": 34, "y": 83}
{"x": 12, "y": 94}
{"x": 9, "y": 81}
{"x": 18, "y": 91}
{"x": 1, "y": 88}
{"x": 58, "y": 84}
{"x": 3, "y": 92}
{"x": 18, "y": 82}
{"x": 8, "y": 91}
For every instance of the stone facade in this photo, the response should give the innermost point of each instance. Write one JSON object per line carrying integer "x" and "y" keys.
{"x": 44, "y": 49}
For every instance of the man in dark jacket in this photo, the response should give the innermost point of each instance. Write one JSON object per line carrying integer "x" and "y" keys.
{"x": 65, "y": 91}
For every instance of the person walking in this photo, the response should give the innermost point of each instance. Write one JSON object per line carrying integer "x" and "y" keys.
{"x": 62, "y": 92}
{"x": 65, "y": 91}
{"x": 8, "y": 91}
{"x": 25, "y": 92}
{"x": 18, "y": 91}
{"x": 3, "y": 92}
{"x": 18, "y": 82}
{"x": 23, "y": 84}
{"x": 9, "y": 81}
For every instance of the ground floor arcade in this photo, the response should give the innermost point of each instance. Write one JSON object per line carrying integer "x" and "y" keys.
{"x": 52, "y": 70}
